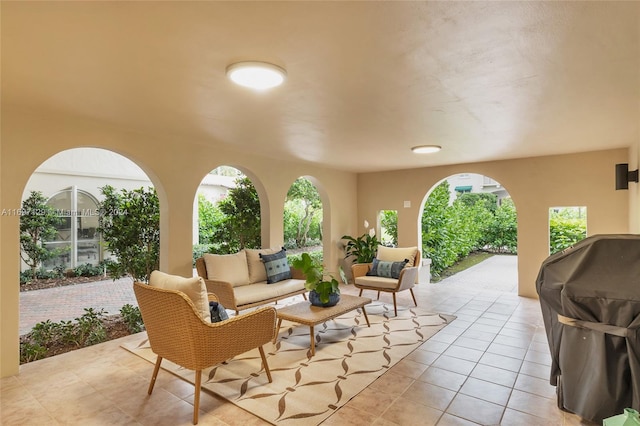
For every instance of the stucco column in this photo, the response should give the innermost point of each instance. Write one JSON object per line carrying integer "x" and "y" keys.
{"x": 176, "y": 227}
{"x": 9, "y": 294}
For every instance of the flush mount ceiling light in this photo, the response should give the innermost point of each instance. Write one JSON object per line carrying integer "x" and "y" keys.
{"x": 426, "y": 149}
{"x": 256, "y": 75}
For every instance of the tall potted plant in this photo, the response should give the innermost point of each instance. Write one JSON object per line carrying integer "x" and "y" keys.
{"x": 322, "y": 292}
{"x": 363, "y": 248}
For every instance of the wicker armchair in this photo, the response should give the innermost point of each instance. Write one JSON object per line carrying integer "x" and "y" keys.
{"x": 176, "y": 332}
{"x": 406, "y": 281}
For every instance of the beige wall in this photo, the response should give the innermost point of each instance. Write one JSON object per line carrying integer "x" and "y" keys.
{"x": 535, "y": 184}
{"x": 177, "y": 166}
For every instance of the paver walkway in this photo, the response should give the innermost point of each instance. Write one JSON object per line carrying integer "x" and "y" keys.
{"x": 68, "y": 302}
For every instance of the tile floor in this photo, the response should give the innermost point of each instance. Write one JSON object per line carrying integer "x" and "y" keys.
{"x": 490, "y": 366}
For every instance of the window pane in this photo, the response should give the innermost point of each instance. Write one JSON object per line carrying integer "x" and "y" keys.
{"x": 87, "y": 227}
{"x": 61, "y": 201}
{"x": 62, "y": 258}
{"x": 86, "y": 203}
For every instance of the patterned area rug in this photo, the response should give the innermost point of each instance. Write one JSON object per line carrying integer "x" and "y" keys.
{"x": 307, "y": 389}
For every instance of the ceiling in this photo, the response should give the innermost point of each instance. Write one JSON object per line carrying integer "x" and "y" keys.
{"x": 366, "y": 80}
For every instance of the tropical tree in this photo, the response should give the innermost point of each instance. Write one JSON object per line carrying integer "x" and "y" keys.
{"x": 129, "y": 222}
{"x": 38, "y": 223}
{"x": 303, "y": 194}
{"x": 240, "y": 227}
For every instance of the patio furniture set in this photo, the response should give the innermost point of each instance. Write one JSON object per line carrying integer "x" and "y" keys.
{"x": 176, "y": 314}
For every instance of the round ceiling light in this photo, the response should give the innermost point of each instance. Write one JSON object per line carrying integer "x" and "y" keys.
{"x": 426, "y": 149}
{"x": 256, "y": 75}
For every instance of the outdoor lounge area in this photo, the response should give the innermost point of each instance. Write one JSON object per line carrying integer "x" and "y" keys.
{"x": 540, "y": 97}
{"x": 489, "y": 366}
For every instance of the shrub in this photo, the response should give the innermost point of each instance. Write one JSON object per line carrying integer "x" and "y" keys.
{"x": 316, "y": 256}
{"x": 26, "y": 276}
{"x": 86, "y": 330}
{"x": 290, "y": 243}
{"x": 88, "y": 270}
{"x": 502, "y": 234}
{"x": 89, "y": 329}
{"x": 44, "y": 274}
{"x": 436, "y": 224}
{"x": 31, "y": 352}
{"x": 60, "y": 271}
{"x": 46, "y": 332}
{"x": 132, "y": 318}
{"x": 49, "y": 338}
{"x": 564, "y": 233}
{"x": 199, "y": 250}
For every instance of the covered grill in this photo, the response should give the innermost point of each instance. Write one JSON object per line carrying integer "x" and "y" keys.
{"x": 590, "y": 300}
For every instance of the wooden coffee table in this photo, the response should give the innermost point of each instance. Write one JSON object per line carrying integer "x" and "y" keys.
{"x": 306, "y": 314}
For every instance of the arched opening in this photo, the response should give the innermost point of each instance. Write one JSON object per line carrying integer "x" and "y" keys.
{"x": 227, "y": 213}
{"x": 303, "y": 218}
{"x": 465, "y": 219}
{"x": 70, "y": 184}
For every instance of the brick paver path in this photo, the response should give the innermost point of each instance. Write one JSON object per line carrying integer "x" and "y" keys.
{"x": 68, "y": 303}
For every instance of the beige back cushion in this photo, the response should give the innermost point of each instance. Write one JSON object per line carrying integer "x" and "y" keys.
{"x": 397, "y": 254}
{"x": 231, "y": 268}
{"x": 257, "y": 271}
{"x": 194, "y": 288}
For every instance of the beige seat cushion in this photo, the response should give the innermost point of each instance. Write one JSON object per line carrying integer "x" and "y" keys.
{"x": 194, "y": 288}
{"x": 262, "y": 291}
{"x": 397, "y": 254}
{"x": 231, "y": 268}
{"x": 377, "y": 282}
{"x": 257, "y": 271}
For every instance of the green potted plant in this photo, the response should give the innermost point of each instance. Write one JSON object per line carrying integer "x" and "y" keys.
{"x": 363, "y": 248}
{"x": 322, "y": 292}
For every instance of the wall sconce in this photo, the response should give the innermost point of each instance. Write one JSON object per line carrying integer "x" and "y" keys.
{"x": 624, "y": 176}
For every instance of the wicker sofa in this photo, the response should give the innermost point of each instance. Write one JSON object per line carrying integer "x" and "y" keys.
{"x": 240, "y": 280}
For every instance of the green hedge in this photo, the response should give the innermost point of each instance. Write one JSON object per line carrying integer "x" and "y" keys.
{"x": 472, "y": 222}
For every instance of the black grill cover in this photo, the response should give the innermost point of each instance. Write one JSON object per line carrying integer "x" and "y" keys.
{"x": 590, "y": 300}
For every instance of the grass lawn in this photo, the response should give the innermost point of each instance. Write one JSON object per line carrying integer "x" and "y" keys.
{"x": 469, "y": 261}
